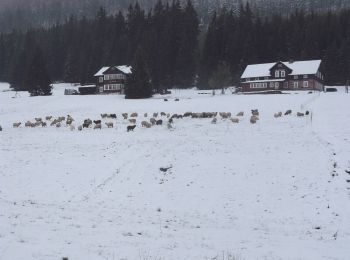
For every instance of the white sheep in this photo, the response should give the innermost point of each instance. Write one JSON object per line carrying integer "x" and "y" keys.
{"x": 277, "y": 115}
{"x": 240, "y": 113}
{"x": 109, "y": 124}
{"x": 98, "y": 126}
{"x": 146, "y": 124}
{"x": 235, "y": 120}
{"x": 16, "y": 125}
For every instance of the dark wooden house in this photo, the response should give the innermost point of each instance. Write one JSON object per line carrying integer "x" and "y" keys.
{"x": 278, "y": 76}
{"x": 112, "y": 79}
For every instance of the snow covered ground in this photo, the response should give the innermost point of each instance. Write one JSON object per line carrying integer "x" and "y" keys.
{"x": 274, "y": 190}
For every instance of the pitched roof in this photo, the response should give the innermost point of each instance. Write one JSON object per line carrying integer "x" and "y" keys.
{"x": 298, "y": 68}
{"x": 124, "y": 68}
{"x": 101, "y": 71}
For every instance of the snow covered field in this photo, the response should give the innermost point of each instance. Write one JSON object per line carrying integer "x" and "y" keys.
{"x": 263, "y": 191}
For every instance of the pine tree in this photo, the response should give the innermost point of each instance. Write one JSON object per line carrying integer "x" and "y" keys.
{"x": 139, "y": 84}
{"x": 37, "y": 79}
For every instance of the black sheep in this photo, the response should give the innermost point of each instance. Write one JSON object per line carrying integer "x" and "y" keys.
{"x": 131, "y": 128}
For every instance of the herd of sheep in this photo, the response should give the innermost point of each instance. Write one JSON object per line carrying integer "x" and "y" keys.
{"x": 156, "y": 119}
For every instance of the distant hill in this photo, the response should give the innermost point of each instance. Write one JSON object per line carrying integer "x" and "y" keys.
{"x": 22, "y": 14}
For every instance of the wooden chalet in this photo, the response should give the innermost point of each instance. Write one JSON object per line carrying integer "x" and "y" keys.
{"x": 278, "y": 76}
{"x": 112, "y": 79}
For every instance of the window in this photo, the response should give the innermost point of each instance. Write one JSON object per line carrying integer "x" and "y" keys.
{"x": 277, "y": 74}
{"x": 256, "y": 78}
{"x": 296, "y": 77}
{"x": 266, "y": 78}
{"x": 305, "y": 76}
{"x": 100, "y": 79}
{"x": 272, "y": 85}
{"x": 283, "y": 73}
{"x": 296, "y": 84}
{"x": 277, "y": 85}
{"x": 306, "y": 84}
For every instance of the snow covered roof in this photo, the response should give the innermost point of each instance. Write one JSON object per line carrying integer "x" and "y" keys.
{"x": 123, "y": 68}
{"x": 101, "y": 71}
{"x": 298, "y": 68}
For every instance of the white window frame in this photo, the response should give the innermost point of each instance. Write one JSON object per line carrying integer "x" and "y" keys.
{"x": 296, "y": 84}
{"x": 305, "y": 76}
{"x": 283, "y": 73}
{"x": 277, "y": 74}
{"x": 306, "y": 84}
{"x": 100, "y": 79}
{"x": 296, "y": 77}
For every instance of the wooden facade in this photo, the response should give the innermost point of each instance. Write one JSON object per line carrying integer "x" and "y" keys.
{"x": 112, "y": 79}
{"x": 288, "y": 76}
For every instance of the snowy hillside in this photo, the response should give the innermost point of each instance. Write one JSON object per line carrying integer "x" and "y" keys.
{"x": 275, "y": 190}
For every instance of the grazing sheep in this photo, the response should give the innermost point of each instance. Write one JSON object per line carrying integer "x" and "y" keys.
{"x": 255, "y": 112}
{"x": 132, "y": 121}
{"x": 61, "y": 118}
{"x": 225, "y": 115}
{"x": 109, "y": 124}
{"x": 170, "y": 121}
{"x": 235, "y": 120}
{"x": 113, "y": 116}
{"x": 153, "y": 121}
{"x": 165, "y": 99}
{"x": 162, "y": 114}
{"x": 187, "y": 114}
{"x": 87, "y": 123}
{"x": 240, "y": 113}
{"x": 307, "y": 113}
{"x": 38, "y": 119}
{"x": 69, "y": 118}
{"x": 288, "y": 112}
{"x": 277, "y": 115}
{"x": 28, "y": 124}
{"x": 97, "y": 122}
{"x": 130, "y": 128}
{"x": 48, "y": 118}
{"x": 159, "y": 122}
{"x": 145, "y": 115}
{"x": 169, "y": 125}
{"x": 174, "y": 116}
{"x": 16, "y": 125}
{"x": 80, "y": 128}
{"x": 58, "y": 125}
{"x": 72, "y": 127}
{"x": 54, "y": 122}
{"x": 104, "y": 115}
{"x": 33, "y": 125}
{"x": 155, "y": 115}
{"x": 146, "y": 124}
{"x": 43, "y": 124}
{"x": 214, "y": 121}
{"x": 69, "y": 122}
{"x": 168, "y": 115}
{"x": 253, "y": 120}
{"x": 134, "y": 115}
{"x": 0, "y": 128}
{"x": 125, "y": 115}
{"x": 176, "y": 99}
{"x": 98, "y": 126}
{"x": 300, "y": 114}
{"x": 38, "y": 123}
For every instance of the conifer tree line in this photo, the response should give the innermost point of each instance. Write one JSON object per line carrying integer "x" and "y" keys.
{"x": 177, "y": 52}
